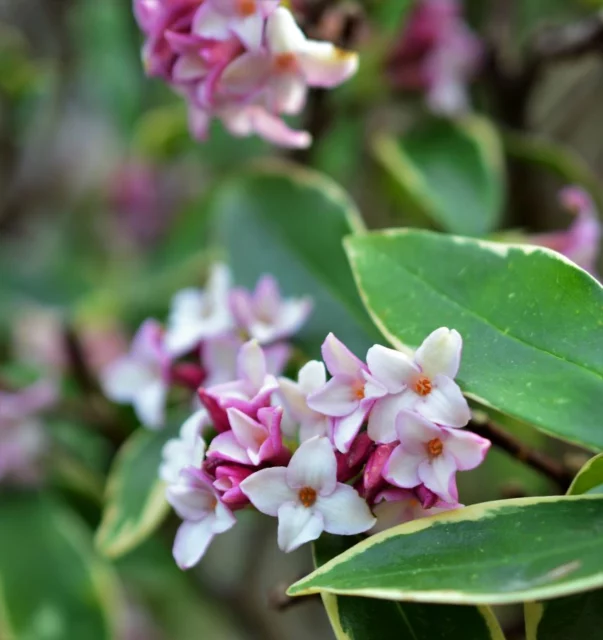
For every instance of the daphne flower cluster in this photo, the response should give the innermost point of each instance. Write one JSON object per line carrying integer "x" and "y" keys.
{"x": 200, "y": 343}
{"x": 245, "y": 62}
{"x": 438, "y": 55}
{"x": 376, "y": 444}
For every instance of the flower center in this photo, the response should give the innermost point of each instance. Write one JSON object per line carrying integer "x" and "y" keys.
{"x": 423, "y": 386}
{"x": 214, "y": 503}
{"x": 285, "y": 63}
{"x": 246, "y": 8}
{"x": 307, "y": 496}
{"x": 358, "y": 389}
{"x": 435, "y": 448}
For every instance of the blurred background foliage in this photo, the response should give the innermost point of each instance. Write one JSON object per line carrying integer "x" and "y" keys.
{"x": 107, "y": 207}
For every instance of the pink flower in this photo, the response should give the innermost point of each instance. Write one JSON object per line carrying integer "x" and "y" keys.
{"x": 312, "y": 377}
{"x": 431, "y": 455}
{"x": 264, "y": 315}
{"x": 437, "y": 54}
{"x": 306, "y": 497}
{"x": 349, "y": 395}
{"x": 424, "y": 384}
{"x": 251, "y": 441}
{"x": 141, "y": 377}
{"x": 397, "y": 506}
{"x": 581, "y": 242}
{"x": 197, "y": 502}
{"x": 251, "y": 391}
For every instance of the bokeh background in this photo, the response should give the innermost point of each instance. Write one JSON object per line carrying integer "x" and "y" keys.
{"x": 103, "y": 196}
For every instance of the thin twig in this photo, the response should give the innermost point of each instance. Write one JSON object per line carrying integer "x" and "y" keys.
{"x": 539, "y": 461}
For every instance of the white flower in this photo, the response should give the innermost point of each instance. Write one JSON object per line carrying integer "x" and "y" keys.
{"x": 312, "y": 376}
{"x": 197, "y": 315}
{"x": 424, "y": 384}
{"x": 306, "y": 497}
{"x": 186, "y": 450}
{"x": 141, "y": 377}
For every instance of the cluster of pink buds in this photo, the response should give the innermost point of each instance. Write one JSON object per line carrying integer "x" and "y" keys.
{"x": 437, "y": 55}
{"x": 245, "y": 62}
{"x": 23, "y": 441}
{"x": 201, "y": 341}
{"x": 377, "y": 444}
{"x": 581, "y": 241}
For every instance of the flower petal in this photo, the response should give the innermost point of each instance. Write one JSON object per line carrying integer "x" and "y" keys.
{"x": 191, "y": 542}
{"x": 283, "y": 33}
{"x": 313, "y": 465}
{"x": 149, "y": 404}
{"x": 268, "y": 490}
{"x": 468, "y": 449}
{"x": 251, "y": 364}
{"x": 445, "y": 404}
{"x": 339, "y": 359}
{"x": 324, "y": 65}
{"x": 297, "y": 525}
{"x": 390, "y": 367}
{"x": 440, "y": 353}
{"x": 414, "y": 432}
{"x": 402, "y": 468}
{"x": 382, "y": 418}
{"x": 347, "y": 428}
{"x": 438, "y": 475}
{"x": 249, "y": 433}
{"x": 225, "y": 446}
{"x": 312, "y": 376}
{"x": 336, "y": 398}
{"x": 344, "y": 512}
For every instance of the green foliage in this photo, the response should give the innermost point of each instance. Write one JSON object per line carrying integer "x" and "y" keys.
{"x": 135, "y": 504}
{"x": 492, "y": 553}
{"x": 530, "y": 320}
{"x": 64, "y": 590}
{"x": 288, "y": 221}
{"x": 372, "y": 619}
{"x": 450, "y": 171}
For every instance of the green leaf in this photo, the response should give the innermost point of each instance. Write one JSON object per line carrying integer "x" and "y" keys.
{"x": 530, "y": 321}
{"x": 581, "y": 615}
{"x": 135, "y": 504}
{"x": 450, "y": 171}
{"x": 52, "y": 586}
{"x": 492, "y": 553}
{"x": 371, "y": 619}
{"x": 290, "y": 222}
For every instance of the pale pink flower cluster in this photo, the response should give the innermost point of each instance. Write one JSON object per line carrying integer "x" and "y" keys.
{"x": 438, "y": 55}
{"x": 23, "y": 440}
{"x": 377, "y": 444}
{"x": 200, "y": 342}
{"x": 581, "y": 241}
{"x": 245, "y": 62}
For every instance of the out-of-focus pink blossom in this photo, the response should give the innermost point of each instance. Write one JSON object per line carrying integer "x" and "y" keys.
{"x": 22, "y": 437}
{"x": 438, "y": 55}
{"x": 264, "y": 315}
{"x": 141, "y": 378}
{"x": 581, "y": 241}
{"x": 245, "y": 62}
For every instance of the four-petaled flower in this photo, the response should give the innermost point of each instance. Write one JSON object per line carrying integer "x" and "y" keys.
{"x": 424, "y": 384}
{"x": 349, "y": 395}
{"x": 197, "y": 502}
{"x": 264, "y": 315}
{"x": 306, "y": 497}
{"x": 198, "y": 315}
{"x": 431, "y": 455}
